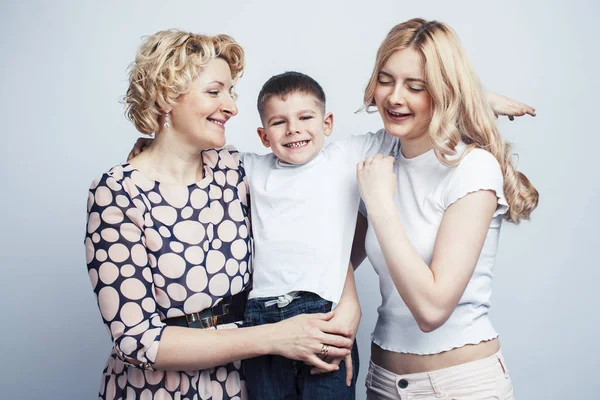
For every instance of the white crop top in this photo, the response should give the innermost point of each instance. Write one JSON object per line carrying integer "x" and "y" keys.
{"x": 426, "y": 188}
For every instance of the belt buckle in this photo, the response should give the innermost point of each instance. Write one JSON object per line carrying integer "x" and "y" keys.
{"x": 209, "y": 322}
{"x": 226, "y": 308}
{"x": 191, "y": 318}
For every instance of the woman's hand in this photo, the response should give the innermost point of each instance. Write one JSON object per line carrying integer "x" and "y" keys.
{"x": 376, "y": 179}
{"x": 140, "y": 145}
{"x": 305, "y": 336}
{"x": 509, "y": 107}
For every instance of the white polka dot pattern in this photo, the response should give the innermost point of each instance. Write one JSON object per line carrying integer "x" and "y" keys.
{"x": 155, "y": 251}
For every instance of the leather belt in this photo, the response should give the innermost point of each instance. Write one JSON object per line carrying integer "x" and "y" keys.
{"x": 230, "y": 309}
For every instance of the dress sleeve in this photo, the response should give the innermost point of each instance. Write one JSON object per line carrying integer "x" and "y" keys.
{"x": 240, "y": 164}
{"x": 119, "y": 271}
{"x": 478, "y": 170}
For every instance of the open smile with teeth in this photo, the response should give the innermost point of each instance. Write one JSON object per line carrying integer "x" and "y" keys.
{"x": 297, "y": 144}
{"x": 398, "y": 115}
{"x": 221, "y": 123}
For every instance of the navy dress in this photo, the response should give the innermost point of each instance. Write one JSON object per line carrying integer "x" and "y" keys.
{"x": 156, "y": 251}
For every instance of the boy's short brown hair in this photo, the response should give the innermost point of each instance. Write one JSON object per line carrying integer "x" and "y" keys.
{"x": 290, "y": 82}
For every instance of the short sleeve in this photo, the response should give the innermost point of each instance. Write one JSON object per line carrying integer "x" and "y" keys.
{"x": 358, "y": 147}
{"x": 380, "y": 142}
{"x": 119, "y": 269}
{"x": 247, "y": 162}
{"x": 478, "y": 170}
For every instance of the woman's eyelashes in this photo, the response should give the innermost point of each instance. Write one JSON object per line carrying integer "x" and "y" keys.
{"x": 410, "y": 87}
{"x": 217, "y": 92}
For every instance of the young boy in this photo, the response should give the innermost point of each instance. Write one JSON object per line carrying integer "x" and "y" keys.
{"x": 304, "y": 202}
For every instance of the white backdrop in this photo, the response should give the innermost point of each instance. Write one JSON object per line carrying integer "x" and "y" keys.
{"x": 63, "y": 71}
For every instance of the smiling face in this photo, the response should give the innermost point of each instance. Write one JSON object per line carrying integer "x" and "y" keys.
{"x": 201, "y": 113}
{"x": 294, "y": 127}
{"x": 402, "y": 98}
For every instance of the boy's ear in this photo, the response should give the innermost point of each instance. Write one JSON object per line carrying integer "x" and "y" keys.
{"x": 328, "y": 122}
{"x": 263, "y": 137}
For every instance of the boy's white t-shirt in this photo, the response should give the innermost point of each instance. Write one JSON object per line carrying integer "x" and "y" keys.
{"x": 304, "y": 216}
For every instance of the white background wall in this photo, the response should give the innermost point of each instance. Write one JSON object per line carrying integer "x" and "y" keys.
{"x": 62, "y": 74}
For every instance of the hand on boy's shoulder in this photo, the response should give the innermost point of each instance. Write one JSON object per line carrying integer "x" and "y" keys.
{"x": 140, "y": 145}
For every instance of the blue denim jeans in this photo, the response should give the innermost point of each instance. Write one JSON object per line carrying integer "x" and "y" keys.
{"x": 273, "y": 377}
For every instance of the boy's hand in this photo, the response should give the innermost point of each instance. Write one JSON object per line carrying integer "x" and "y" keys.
{"x": 509, "y": 107}
{"x": 336, "y": 361}
{"x": 140, "y": 145}
{"x": 347, "y": 314}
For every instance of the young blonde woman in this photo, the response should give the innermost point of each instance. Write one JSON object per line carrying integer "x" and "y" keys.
{"x": 435, "y": 207}
{"x": 168, "y": 234}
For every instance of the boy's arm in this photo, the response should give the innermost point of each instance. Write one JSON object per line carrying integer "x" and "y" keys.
{"x": 347, "y": 314}
{"x": 348, "y": 309}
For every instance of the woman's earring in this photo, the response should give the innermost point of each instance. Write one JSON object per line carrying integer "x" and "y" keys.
{"x": 166, "y": 120}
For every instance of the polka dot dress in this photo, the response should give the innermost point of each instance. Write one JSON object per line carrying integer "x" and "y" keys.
{"x": 156, "y": 251}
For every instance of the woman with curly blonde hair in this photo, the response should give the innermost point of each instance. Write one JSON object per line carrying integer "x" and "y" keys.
{"x": 435, "y": 208}
{"x": 168, "y": 237}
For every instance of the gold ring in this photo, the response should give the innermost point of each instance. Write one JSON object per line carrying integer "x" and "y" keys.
{"x": 325, "y": 350}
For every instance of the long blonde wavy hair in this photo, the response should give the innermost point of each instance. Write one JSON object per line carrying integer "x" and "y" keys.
{"x": 460, "y": 108}
{"x": 165, "y": 65}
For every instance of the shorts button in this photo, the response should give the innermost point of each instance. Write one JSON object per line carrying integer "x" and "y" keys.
{"x": 403, "y": 383}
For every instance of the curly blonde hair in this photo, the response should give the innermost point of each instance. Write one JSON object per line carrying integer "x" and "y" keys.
{"x": 460, "y": 109}
{"x": 165, "y": 65}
